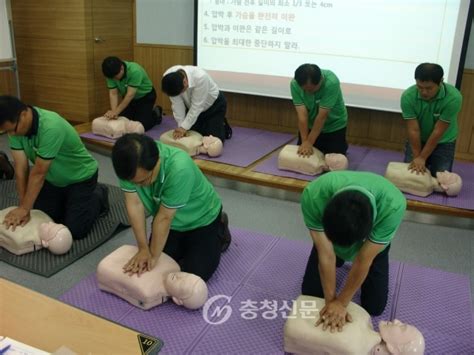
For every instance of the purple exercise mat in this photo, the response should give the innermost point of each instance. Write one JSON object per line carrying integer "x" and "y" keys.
{"x": 376, "y": 160}
{"x": 439, "y": 304}
{"x": 355, "y": 154}
{"x": 166, "y": 124}
{"x": 465, "y": 199}
{"x": 261, "y": 268}
{"x": 247, "y": 145}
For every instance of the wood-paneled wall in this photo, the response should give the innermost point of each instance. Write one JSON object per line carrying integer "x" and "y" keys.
{"x": 366, "y": 127}
{"x": 7, "y": 80}
{"x": 156, "y": 59}
{"x": 54, "y": 55}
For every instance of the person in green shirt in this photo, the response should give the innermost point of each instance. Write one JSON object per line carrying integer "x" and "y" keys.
{"x": 351, "y": 216}
{"x": 322, "y": 114}
{"x": 188, "y": 222}
{"x": 131, "y": 92}
{"x": 430, "y": 109}
{"x": 62, "y": 181}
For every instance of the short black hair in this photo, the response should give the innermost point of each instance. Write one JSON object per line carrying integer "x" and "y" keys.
{"x": 133, "y": 151}
{"x": 111, "y": 66}
{"x": 429, "y": 72}
{"x": 172, "y": 83}
{"x": 347, "y": 218}
{"x": 308, "y": 72}
{"x": 10, "y": 109}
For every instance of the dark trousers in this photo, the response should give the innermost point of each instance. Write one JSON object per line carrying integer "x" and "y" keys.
{"x": 141, "y": 110}
{"x": 198, "y": 251}
{"x": 441, "y": 158}
{"x": 334, "y": 142}
{"x": 374, "y": 290}
{"x": 76, "y": 205}
{"x": 213, "y": 121}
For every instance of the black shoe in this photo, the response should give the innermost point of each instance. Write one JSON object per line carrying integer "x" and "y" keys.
{"x": 103, "y": 192}
{"x": 6, "y": 168}
{"x": 339, "y": 261}
{"x": 158, "y": 113}
{"x": 224, "y": 232}
{"x": 227, "y": 129}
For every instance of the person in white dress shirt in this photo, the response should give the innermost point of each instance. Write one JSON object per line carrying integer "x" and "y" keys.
{"x": 196, "y": 101}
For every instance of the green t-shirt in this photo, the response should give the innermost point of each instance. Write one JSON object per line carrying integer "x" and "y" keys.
{"x": 329, "y": 96}
{"x": 445, "y": 106}
{"x": 53, "y": 138}
{"x": 135, "y": 76}
{"x": 387, "y": 201}
{"x": 180, "y": 185}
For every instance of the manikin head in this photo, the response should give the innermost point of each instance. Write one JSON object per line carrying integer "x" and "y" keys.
{"x": 56, "y": 237}
{"x": 451, "y": 183}
{"x": 212, "y": 145}
{"x": 336, "y": 161}
{"x": 186, "y": 289}
{"x": 400, "y": 338}
{"x": 134, "y": 127}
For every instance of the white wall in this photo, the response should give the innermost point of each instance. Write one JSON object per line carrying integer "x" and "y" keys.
{"x": 172, "y": 22}
{"x": 165, "y": 22}
{"x": 6, "y": 52}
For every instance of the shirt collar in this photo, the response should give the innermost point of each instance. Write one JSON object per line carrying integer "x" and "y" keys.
{"x": 34, "y": 123}
{"x": 163, "y": 161}
{"x": 189, "y": 77}
{"x": 124, "y": 71}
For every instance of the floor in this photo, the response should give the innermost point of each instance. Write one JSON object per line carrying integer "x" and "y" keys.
{"x": 441, "y": 247}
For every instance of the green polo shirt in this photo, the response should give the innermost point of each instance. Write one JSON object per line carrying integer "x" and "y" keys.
{"x": 180, "y": 184}
{"x": 445, "y": 106}
{"x": 53, "y": 138}
{"x": 134, "y": 76}
{"x": 329, "y": 96}
{"x": 387, "y": 201}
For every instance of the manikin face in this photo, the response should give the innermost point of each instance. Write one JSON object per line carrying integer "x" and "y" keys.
{"x": 186, "y": 289}
{"x": 179, "y": 284}
{"x": 450, "y": 182}
{"x": 402, "y": 338}
{"x": 427, "y": 89}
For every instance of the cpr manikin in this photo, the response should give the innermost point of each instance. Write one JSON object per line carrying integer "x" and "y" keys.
{"x": 186, "y": 289}
{"x": 39, "y": 232}
{"x": 357, "y": 337}
{"x": 399, "y": 338}
{"x": 116, "y": 128}
{"x": 153, "y": 287}
{"x": 194, "y": 143}
{"x": 422, "y": 184}
{"x": 315, "y": 164}
{"x": 56, "y": 237}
